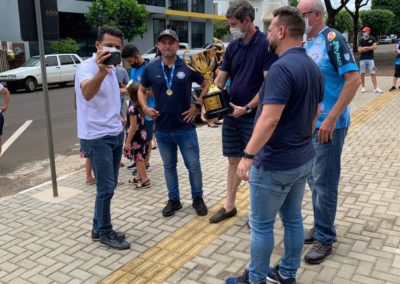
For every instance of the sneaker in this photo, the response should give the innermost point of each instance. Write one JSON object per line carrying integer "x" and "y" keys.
{"x": 221, "y": 215}
{"x": 131, "y": 166}
{"x": 96, "y": 235}
{"x": 363, "y": 90}
{"x": 244, "y": 279}
{"x": 309, "y": 237}
{"x": 393, "y": 88}
{"x": 275, "y": 277}
{"x": 318, "y": 253}
{"x": 378, "y": 91}
{"x": 171, "y": 207}
{"x": 114, "y": 241}
{"x": 199, "y": 206}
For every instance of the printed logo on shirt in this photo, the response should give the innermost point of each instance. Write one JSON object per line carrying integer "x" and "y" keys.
{"x": 181, "y": 75}
{"x": 346, "y": 56}
{"x": 331, "y": 36}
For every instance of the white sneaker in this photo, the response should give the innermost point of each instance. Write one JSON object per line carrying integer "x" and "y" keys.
{"x": 362, "y": 90}
{"x": 378, "y": 91}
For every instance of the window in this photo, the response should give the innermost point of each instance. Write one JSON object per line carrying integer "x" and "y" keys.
{"x": 198, "y": 34}
{"x": 51, "y": 61}
{"x": 181, "y": 29}
{"x": 158, "y": 27}
{"x": 179, "y": 5}
{"x": 159, "y": 3}
{"x": 76, "y": 59}
{"x": 198, "y": 6}
{"x": 66, "y": 60}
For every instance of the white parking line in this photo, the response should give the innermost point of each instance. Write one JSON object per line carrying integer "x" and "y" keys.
{"x": 15, "y": 136}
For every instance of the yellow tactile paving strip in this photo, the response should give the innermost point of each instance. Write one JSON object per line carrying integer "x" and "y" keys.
{"x": 160, "y": 262}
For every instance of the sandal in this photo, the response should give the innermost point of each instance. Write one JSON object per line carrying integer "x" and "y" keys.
{"x": 120, "y": 183}
{"x": 142, "y": 185}
{"x": 134, "y": 180}
{"x": 90, "y": 181}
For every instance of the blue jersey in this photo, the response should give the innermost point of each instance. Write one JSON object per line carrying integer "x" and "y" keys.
{"x": 136, "y": 75}
{"x": 332, "y": 54}
{"x": 397, "y": 61}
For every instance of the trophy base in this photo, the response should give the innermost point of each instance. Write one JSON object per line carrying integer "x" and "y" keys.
{"x": 216, "y": 103}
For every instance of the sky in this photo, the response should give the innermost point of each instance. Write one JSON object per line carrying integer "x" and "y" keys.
{"x": 350, "y": 5}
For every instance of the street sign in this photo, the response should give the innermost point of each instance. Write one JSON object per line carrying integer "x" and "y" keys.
{"x": 27, "y": 20}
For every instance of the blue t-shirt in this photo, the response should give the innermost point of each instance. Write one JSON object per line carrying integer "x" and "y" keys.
{"x": 296, "y": 82}
{"x": 332, "y": 54}
{"x": 171, "y": 107}
{"x": 245, "y": 64}
{"x": 397, "y": 61}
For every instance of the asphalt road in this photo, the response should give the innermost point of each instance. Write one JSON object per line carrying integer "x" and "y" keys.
{"x": 26, "y": 162}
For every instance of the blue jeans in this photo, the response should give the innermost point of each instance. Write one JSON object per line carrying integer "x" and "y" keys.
{"x": 168, "y": 143}
{"x": 272, "y": 192}
{"x": 105, "y": 155}
{"x": 324, "y": 183}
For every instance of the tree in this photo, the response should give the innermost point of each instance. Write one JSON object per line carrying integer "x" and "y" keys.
{"x": 67, "y": 45}
{"x": 391, "y": 5}
{"x": 344, "y": 22}
{"x": 332, "y": 12}
{"x": 358, "y": 4}
{"x": 380, "y": 21}
{"x": 220, "y": 29}
{"x": 129, "y": 16}
{"x": 293, "y": 3}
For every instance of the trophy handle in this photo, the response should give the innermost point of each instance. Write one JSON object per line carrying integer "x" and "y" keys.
{"x": 187, "y": 61}
{"x": 221, "y": 51}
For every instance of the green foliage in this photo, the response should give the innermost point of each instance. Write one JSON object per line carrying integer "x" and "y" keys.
{"x": 129, "y": 16}
{"x": 293, "y": 3}
{"x": 67, "y": 45}
{"x": 220, "y": 29}
{"x": 380, "y": 21}
{"x": 344, "y": 22}
{"x": 391, "y": 5}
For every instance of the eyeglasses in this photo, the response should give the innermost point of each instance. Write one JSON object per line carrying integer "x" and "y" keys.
{"x": 309, "y": 12}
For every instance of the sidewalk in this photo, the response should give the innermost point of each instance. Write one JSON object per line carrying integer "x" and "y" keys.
{"x": 47, "y": 240}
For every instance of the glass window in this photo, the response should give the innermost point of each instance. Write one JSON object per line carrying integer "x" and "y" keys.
{"x": 51, "y": 61}
{"x": 181, "y": 29}
{"x": 158, "y": 27}
{"x": 198, "y": 6}
{"x": 159, "y": 3}
{"x": 179, "y": 5}
{"x": 66, "y": 60}
{"x": 198, "y": 34}
{"x": 76, "y": 59}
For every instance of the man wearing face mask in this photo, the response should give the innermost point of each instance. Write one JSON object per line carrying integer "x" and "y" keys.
{"x": 100, "y": 130}
{"x": 328, "y": 48}
{"x": 246, "y": 62}
{"x": 366, "y": 47}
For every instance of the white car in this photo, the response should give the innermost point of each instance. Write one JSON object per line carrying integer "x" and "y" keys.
{"x": 60, "y": 68}
{"x": 151, "y": 54}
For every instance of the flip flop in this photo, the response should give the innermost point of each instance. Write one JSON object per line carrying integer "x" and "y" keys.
{"x": 90, "y": 181}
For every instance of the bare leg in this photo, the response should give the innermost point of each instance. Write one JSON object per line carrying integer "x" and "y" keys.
{"x": 394, "y": 84}
{"x": 149, "y": 147}
{"x": 363, "y": 80}
{"x": 374, "y": 82}
{"x": 1, "y": 143}
{"x": 233, "y": 183}
{"x": 88, "y": 170}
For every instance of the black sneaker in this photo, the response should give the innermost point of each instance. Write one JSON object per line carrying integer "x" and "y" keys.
{"x": 309, "y": 237}
{"x": 275, "y": 277}
{"x": 96, "y": 235}
{"x": 393, "y": 88}
{"x": 171, "y": 207}
{"x": 199, "y": 206}
{"x": 131, "y": 166}
{"x": 318, "y": 253}
{"x": 114, "y": 241}
{"x": 244, "y": 279}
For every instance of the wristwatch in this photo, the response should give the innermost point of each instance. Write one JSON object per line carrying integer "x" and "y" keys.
{"x": 198, "y": 106}
{"x": 248, "y": 109}
{"x": 247, "y": 156}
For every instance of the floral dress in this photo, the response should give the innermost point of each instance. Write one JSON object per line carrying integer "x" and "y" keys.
{"x": 139, "y": 145}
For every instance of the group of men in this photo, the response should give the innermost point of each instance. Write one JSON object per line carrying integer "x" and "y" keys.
{"x": 289, "y": 122}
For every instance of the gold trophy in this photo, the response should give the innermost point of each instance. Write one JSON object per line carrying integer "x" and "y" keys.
{"x": 216, "y": 102}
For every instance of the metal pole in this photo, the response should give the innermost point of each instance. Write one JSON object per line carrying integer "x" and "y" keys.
{"x": 39, "y": 27}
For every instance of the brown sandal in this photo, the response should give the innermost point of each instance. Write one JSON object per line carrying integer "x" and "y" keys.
{"x": 134, "y": 180}
{"x": 142, "y": 185}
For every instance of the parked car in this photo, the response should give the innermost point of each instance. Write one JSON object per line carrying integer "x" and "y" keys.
{"x": 393, "y": 37}
{"x": 151, "y": 54}
{"x": 385, "y": 40}
{"x": 60, "y": 68}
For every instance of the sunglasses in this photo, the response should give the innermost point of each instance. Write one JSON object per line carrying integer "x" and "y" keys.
{"x": 309, "y": 12}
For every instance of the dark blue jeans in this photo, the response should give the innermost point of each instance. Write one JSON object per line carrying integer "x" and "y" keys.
{"x": 324, "y": 183}
{"x": 105, "y": 155}
{"x": 168, "y": 143}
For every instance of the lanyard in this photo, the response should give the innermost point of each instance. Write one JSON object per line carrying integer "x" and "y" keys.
{"x": 171, "y": 76}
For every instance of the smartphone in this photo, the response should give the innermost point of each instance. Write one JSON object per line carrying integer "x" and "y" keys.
{"x": 114, "y": 59}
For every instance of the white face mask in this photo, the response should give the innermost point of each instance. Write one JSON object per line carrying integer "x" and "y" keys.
{"x": 365, "y": 34}
{"x": 237, "y": 32}
{"x": 308, "y": 27}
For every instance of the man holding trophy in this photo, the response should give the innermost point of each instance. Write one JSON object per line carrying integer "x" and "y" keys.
{"x": 246, "y": 62}
{"x": 171, "y": 82}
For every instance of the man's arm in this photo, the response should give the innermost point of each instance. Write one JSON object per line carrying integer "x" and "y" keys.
{"x": 6, "y": 100}
{"x": 316, "y": 117}
{"x": 352, "y": 82}
{"x": 193, "y": 111}
{"x": 221, "y": 79}
{"x": 142, "y": 96}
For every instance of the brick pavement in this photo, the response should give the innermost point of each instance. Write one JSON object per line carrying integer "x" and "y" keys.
{"x": 47, "y": 242}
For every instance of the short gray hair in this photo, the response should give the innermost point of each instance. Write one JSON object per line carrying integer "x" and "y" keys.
{"x": 318, "y": 5}
{"x": 240, "y": 9}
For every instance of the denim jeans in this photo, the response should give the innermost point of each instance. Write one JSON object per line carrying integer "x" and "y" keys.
{"x": 105, "y": 155}
{"x": 324, "y": 183}
{"x": 272, "y": 192}
{"x": 168, "y": 143}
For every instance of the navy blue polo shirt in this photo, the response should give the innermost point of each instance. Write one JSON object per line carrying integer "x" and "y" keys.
{"x": 171, "y": 107}
{"x": 296, "y": 82}
{"x": 245, "y": 64}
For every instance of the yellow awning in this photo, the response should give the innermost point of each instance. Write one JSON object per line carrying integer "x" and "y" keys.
{"x": 194, "y": 15}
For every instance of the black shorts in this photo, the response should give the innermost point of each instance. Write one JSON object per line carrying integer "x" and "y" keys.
{"x": 396, "y": 71}
{"x": 1, "y": 123}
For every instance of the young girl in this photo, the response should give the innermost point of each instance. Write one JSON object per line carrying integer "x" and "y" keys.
{"x": 135, "y": 146}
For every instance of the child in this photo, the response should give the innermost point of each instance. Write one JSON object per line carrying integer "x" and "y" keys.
{"x": 396, "y": 68}
{"x": 136, "y": 147}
